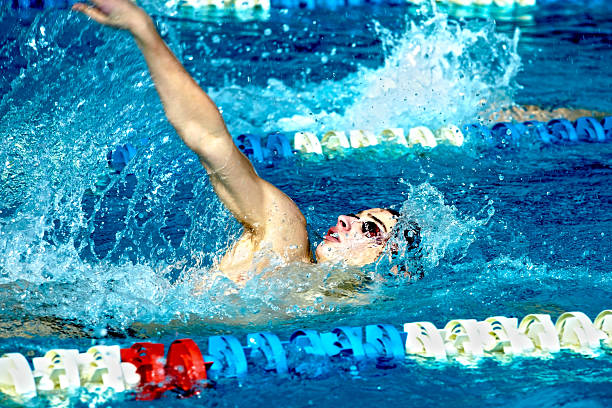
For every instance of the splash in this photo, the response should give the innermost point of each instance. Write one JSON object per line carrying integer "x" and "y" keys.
{"x": 445, "y": 233}
{"x": 80, "y": 242}
{"x": 77, "y": 240}
{"x": 438, "y": 71}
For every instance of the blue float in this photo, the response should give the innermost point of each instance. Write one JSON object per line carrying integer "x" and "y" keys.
{"x": 278, "y": 145}
{"x": 539, "y": 130}
{"x": 606, "y": 123}
{"x": 227, "y": 356}
{"x": 250, "y": 145}
{"x": 47, "y": 4}
{"x": 507, "y": 132}
{"x": 269, "y": 346}
{"x": 344, "y": 340}
{"x": 562, "y": 130}
{"x": 309, "y": 341}
{"x": 384, "y": 341}
{"x": 590, "y": 130}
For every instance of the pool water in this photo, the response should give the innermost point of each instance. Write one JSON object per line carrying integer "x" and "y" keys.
{"x": 87, "y": 253}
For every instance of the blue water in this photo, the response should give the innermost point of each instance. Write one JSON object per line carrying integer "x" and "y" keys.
{"x": 85, "y": 253}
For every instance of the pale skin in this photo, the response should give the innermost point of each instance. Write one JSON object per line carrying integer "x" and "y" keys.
{"x": 271, "y": 220}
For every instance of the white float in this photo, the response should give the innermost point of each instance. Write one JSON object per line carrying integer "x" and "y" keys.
{"x": 501, "y": 335}
{"x": 424, "y": 339}
{"x": 462, "y": 336}
{"x": 460, "y": 2}
{"x": 603, "y": 322}
{"x": 58, "y": 369}
{"x": 16, "y": 378}
{"x": 362, "y": 138}
{"x": 335, "y": 140}
{"x": 421, "y": 135}
{"x": 394, "y": 136}
{"x": 101, "y": 367}
{"x": 450, "y": 134}
{"x": 307, "y": 142}
{"x": 577, "y": 332}
{"x": 540, "y": 329}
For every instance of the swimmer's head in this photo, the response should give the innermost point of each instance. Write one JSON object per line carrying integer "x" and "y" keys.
{"x": 359, "y": 239}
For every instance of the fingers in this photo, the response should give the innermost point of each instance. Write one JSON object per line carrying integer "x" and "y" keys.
{"x": 92, "y": 12}
{"x": 104, "y": 5}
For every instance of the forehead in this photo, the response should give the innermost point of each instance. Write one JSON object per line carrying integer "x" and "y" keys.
{"x": 379, "y": 214}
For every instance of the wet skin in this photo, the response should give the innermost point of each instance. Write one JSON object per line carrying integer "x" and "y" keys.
{"x": 271, "y": 220}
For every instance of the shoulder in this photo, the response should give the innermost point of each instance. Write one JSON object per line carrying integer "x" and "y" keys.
{"x": 285, "y": 226}
{"x": 280, "y": 207}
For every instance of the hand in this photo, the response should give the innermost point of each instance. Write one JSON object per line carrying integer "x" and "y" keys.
{"x": 123, "y": 14}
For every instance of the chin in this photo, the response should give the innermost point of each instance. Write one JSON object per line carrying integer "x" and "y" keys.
{"x": 320, "y": 254}
{"x": 329, "y": 253}
{"x": 326, "y": 253}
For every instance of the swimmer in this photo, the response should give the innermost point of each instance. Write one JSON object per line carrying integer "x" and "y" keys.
{"x": 271, "y": 220}
{"x": 530, "y": 112}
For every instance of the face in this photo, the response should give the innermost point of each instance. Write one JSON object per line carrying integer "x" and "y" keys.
{"x": 357, "y": 239}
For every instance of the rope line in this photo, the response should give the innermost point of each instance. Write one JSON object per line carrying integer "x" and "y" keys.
{"x": 502, "y": 134}
{"x": 142, "y": 369}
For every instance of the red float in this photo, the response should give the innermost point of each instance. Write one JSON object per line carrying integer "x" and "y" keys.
{"x": 185, "y": 366}
{"x": 149, "y": 361}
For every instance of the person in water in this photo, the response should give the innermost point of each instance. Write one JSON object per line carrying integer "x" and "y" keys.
{"x": 271, "y": 220}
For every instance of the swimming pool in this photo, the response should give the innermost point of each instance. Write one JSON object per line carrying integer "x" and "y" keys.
{"x": 523, "y": 229}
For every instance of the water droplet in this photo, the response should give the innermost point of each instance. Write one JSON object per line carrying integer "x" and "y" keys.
{"x": 101, "y": 332}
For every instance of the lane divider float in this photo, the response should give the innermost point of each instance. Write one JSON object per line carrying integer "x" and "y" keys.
{"x": 145, "y": 370}
{"x": 278, "y": 145}
{"x": 483, "y": 3}
{"x": 227, "y": 4}
{"x": 502, "y": 134}
{"x": 47, "y": 4}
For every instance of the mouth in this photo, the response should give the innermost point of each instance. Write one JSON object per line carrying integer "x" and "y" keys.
{"x": 332, "y": 236}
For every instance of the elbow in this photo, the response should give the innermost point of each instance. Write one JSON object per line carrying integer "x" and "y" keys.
{"x": 198, "y": 138}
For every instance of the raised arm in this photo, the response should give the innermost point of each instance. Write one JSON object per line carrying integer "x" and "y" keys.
{"x": 253, "y": 201}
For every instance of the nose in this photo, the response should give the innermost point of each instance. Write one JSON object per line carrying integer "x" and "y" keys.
{"x": 344, "y": 223}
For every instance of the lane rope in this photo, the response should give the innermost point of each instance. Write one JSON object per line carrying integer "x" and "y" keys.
{"x": 500, "y": 135}
{"x": 279, "y": 145}
{"x": 483, "y": 3}
{"x": 143, "y": 370}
